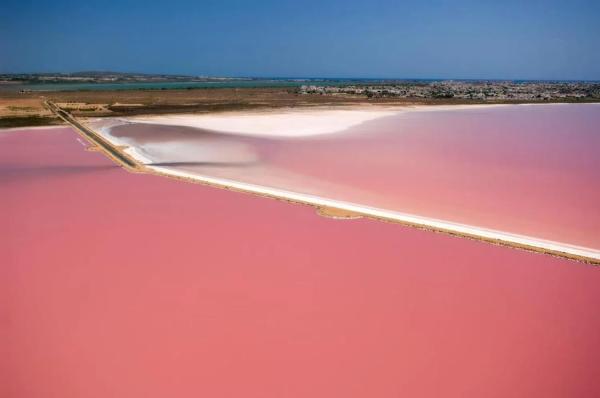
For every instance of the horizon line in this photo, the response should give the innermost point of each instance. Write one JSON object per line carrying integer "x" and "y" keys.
{"x": 283, "y": 77}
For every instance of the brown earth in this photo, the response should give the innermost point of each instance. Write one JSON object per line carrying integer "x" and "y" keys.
{"x": 18, "y": 109}
{"x": 15, "y": 107}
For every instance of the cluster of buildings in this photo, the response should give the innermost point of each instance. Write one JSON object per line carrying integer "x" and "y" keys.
{"x": 467, "y": 90}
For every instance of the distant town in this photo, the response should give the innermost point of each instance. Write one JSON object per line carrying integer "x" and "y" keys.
{"x": 110, "y": 94}
{"x": 452, "y": 91}
{"x": 467, "y": 90}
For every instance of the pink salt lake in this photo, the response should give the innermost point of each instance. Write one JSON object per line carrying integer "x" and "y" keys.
{"x": 528, "y": 170}
{"x": 131, "y": 285}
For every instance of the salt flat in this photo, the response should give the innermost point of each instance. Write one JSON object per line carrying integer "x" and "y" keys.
{"x": 290, "y": 123}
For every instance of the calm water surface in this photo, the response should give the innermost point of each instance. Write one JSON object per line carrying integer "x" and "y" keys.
{"x": 532, "y": 170}
{"x": 114, "y": 284}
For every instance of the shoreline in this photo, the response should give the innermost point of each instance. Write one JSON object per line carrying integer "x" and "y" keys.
{"x": 579, "y": 253}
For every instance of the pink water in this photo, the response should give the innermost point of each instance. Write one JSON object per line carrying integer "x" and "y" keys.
{"x": 531, "y": 170}
{"x": 115, "y": 284}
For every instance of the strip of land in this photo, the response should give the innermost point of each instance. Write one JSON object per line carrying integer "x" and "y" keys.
{"x": 26, "y": 108}
{"x": 110, "y": 150}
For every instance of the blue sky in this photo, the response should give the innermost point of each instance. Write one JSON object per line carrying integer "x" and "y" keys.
{"x": 342, "y": 38}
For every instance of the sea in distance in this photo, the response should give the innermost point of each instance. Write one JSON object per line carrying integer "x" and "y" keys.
{"x": 215, "y": 83}
{"x": 183, "y": 85}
